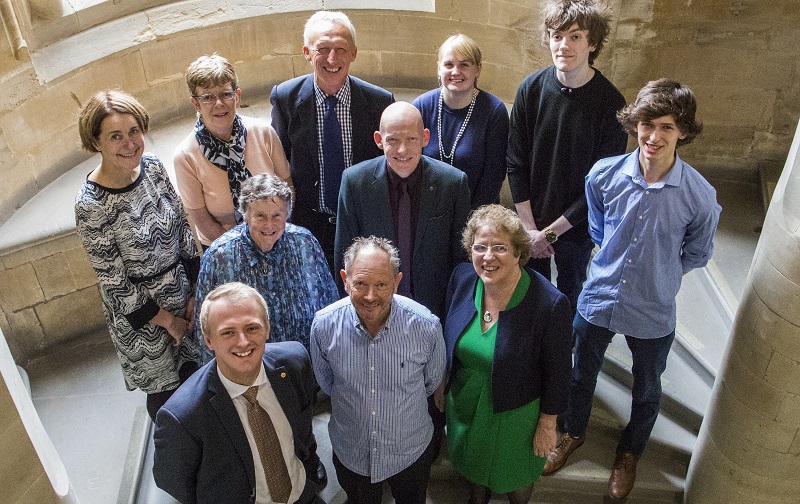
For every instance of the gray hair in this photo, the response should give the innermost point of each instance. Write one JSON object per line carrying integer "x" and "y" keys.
{"x": 362, "y": 243}
{"x": 336, "y": 18}
{"x": 264, "y": 186}
{"x": 235, "y": 293}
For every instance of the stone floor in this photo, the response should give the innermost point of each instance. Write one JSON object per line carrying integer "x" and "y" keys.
{"x": 102, "y": 431}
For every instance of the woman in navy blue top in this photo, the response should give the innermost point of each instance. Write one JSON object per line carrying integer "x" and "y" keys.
{"x": 469, "y": 127}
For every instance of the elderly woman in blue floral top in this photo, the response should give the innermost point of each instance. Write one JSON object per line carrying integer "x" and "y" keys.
{"x": 282, "y": 261}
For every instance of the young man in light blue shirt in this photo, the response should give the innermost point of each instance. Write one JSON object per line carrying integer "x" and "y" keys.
{"x": 654, "y": 218}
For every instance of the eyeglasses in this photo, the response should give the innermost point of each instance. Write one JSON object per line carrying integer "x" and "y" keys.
{"x": 481, "y": 249}
{"x": 208, "y": 98}
{"x": 326, "y": 51}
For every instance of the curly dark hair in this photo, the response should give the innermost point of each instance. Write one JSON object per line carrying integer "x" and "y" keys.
{"x": 659, "y": 98}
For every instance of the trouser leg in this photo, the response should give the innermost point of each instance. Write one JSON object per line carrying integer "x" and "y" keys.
{"x": 649, "y": 363}
{"x": 591, "y": 344}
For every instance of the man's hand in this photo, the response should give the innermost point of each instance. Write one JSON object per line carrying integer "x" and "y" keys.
{"x": 540, "y": 248}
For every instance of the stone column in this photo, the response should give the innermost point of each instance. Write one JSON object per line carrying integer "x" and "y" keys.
{"x": 748, "y": 450}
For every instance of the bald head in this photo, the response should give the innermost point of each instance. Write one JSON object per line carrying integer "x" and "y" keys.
{"x": 402, "y": 136}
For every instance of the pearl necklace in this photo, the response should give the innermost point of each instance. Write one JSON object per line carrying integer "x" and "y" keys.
{"x": 444, "y": 157}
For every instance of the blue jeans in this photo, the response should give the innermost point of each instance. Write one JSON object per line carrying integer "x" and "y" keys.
{"x": 649, "y": 362}
{"x": 572, "y": 259}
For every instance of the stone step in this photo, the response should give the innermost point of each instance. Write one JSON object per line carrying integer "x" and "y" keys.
{"x": 660, "y": 473}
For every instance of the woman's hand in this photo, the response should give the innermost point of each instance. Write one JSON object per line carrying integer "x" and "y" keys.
{"x": 545, "y": 438}
{"x": 175, "y": 326}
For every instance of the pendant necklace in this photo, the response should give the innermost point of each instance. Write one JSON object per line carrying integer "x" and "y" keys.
{"x": 444, "y": 157}
{"x": 487, "y": 317}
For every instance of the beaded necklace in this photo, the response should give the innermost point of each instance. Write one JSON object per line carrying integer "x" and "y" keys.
{"x": 444, "y": 157}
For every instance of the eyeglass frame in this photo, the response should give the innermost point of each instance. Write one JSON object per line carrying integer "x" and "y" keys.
{"x": 211, "y": 98}
{"x": 497, "y": 249}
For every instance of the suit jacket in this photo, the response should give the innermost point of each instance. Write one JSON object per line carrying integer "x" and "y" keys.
{"x": 532, "y": 351}
{"x": 365, "y": 209}
{"x": 201, "y": 450}
{"x": 294, "y": 117}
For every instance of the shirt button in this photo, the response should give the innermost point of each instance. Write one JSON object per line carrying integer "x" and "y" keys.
{"x": 372, "y": 345}
{"x": 636, "y": 239}
{"x": 372, "y": 368}
{"x": 647, "y": 192}
{"x": 373, "y": 413}
{"x": 629, "y": 260}
{"x": 616, "y": 301}
{"x": 374, "y": 450}
{"x": 624, "y": 281}
{"x": 640, "y": 217}
{"x": 373, "y": 391}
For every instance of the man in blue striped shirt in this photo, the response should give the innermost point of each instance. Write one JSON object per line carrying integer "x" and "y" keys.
{"x": 379, "y": 356}
{"x": 654, "y": 218}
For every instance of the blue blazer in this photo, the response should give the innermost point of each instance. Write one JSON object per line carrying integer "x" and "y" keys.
{"x": 294, "y": 117}
{"x": 201, "y": 450}
{"x": 532, "y": 352}
{"x": 365, "y": 209}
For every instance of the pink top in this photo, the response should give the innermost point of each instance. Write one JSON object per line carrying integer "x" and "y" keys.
{"x": 203, "y": 185}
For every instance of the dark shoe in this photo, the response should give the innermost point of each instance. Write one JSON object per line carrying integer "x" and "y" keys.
{"x": 558, "y": 457}
{"x": 320, "y": 477}
{"x": 623, "y": 475}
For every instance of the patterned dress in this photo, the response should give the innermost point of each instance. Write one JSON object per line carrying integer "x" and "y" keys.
{"x": 143, "y": 252}
{"x": 293, "y": 277}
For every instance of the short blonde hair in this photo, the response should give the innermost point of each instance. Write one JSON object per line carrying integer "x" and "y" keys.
{"x": 501, "y": 219}
{"x": 464, "y": 46}
{"x": 102, "y": 105}
{"x": 232, "y": 292}
{"x": 209, "y": 71}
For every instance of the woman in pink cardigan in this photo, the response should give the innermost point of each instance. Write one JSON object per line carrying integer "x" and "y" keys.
{"x": 223, "y": 150}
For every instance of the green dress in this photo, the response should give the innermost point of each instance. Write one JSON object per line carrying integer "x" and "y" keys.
{"x": 490, "y": 449}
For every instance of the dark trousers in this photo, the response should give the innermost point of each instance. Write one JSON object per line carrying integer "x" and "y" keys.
{"x": 309, "y": 495}
{"x": 158, "y": 399}
{"x": 408, "y": 486}
{"x": 322, "y": 226}
{"x": 572, "y": 259}
{"x": 649, "y": 363}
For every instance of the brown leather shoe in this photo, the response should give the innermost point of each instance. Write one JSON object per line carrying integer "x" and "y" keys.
{"x": 558, "y": 457}
{"x": 623, "y": 475}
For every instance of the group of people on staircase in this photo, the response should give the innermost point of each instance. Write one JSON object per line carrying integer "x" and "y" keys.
{"x": 363, "y": 239}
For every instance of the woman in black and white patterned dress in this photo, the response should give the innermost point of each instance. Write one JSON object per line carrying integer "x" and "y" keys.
{"x": 134, "y": 228}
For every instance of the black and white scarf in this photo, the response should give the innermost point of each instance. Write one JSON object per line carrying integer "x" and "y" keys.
{"x": 227, "y": 156}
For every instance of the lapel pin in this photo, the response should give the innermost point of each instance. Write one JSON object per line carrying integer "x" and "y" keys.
{"x": 283, "y": 375}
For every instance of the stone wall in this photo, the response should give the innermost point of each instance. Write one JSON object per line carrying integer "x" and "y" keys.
{"x": 738, "y": 55}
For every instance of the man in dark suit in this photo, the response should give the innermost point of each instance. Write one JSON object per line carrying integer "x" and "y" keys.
{"x": 371, "y": 203}
{"x": 211, "y": 444}
{"x": 325, "y": 121}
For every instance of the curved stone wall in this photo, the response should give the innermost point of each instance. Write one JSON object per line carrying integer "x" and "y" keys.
{"x": 736, "y": 54}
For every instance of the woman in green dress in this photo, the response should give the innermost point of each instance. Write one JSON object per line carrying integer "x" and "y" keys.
{"x": 508, "y": 337}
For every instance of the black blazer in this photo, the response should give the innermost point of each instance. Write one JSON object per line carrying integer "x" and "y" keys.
{"x": 532, "y": 352}
{"x": 365, "y": 209}
{"x": 294, "y": 117}
{"x": 201, "y": 450}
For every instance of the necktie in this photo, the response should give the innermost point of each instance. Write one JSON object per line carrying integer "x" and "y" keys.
{"x": 269, "y": 448}
{"x": 332, "y": 153}
{"x": 404, "y": 238}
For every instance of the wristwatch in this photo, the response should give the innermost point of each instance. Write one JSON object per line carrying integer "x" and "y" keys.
{"x": 550, "y": 235}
